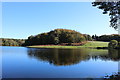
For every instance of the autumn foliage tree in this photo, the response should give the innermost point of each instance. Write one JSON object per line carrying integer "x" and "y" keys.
{"x": 56, "y": 36}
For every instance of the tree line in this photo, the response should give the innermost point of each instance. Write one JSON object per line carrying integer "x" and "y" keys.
{"x": 107, "y": 38}
{"x": 11, "y": 42}
{"x": 57, "y": 36}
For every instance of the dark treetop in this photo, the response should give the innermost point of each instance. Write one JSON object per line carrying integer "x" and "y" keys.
{"x": 113, "y": 8}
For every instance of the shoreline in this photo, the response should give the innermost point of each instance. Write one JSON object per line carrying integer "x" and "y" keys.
{"x": 58, "y": 47}
{"x": 90, "y": 44}
{"x": 65, "y": 47}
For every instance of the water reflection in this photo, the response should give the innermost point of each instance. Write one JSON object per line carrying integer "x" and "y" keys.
{"x": 72, "y": 56}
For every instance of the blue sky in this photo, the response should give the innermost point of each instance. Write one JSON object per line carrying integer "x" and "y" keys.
{"x": 22, "y": 19}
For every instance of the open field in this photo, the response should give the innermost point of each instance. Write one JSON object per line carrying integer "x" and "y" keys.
{"x": 90, "y": 44}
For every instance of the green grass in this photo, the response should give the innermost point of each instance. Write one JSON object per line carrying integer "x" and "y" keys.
{"x": 91, "y": 44}
{"x": 96, "y": 44}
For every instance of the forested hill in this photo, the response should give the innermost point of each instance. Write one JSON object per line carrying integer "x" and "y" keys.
{"x": 57, "y": 36}
{"x": 11, "y": 42}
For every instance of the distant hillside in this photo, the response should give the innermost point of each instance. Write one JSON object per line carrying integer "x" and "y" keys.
{"x": 11, "y": 42}
{"x": 57, "y": 36}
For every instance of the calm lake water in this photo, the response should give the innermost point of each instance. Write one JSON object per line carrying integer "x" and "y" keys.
{"x": 21, "y": 62}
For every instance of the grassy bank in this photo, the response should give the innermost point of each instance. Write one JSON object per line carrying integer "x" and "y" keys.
{"x": 96, "y": 44}
{"x": 91, "y": 44}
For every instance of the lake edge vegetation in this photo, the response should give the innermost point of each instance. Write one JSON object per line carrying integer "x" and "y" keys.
{"x": 65, "y": 38}
{"x": 89, "y": 44}
{"x": 11, "y": 42}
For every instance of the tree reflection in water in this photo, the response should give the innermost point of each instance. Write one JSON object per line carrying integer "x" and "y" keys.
{"x": 64, "y": 57}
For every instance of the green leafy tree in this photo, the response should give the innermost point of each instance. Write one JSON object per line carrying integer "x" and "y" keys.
{"x": 88, "y": 37}
{"x": 12, "y": 42}
{"x": 56, "y": 40}
{"x": 113, "y": 8}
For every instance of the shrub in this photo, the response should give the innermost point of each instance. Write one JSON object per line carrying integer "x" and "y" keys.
{"x": 113, "y": 44}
